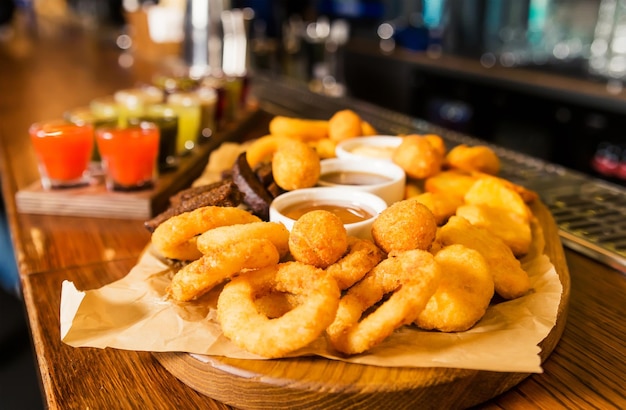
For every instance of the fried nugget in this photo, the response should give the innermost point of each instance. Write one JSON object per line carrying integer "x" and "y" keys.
{"x": 418, "y": 157}
{"x": 510, "y": 280}
{"x": 495, "y": 193}
{"x": 513, "y": 229}
{"x": 295, "y": 165}
{"x": 464, "y": 293}
{"x": 441, "y": 204}
{"x": 451, "y": 182}
{"x": 405, "y": 225}
{"x": 476, "y": 158}
{"x": 318, "y": 238}
{"x": 344, "y": 124}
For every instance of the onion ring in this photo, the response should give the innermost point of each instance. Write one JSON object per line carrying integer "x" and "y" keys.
{"x": 251, "y": 330}
{"x": 410, "y": 277}
{"x": 202, "y": 275}
{"x": 263, "y": 149}
{"x": 214, "y": 240}
{"x": 361, "y": 257}
{"x": 175, "y": 238}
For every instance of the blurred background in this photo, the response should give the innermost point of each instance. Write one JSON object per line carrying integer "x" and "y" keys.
{"x": 543, "y": 77}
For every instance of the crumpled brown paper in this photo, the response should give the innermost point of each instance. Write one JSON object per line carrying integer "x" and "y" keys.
{"x": 135, "y": 314}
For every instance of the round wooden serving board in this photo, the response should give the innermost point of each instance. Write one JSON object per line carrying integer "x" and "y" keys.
{"x": 318, "y": 383}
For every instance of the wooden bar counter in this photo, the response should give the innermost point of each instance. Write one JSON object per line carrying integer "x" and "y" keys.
{"x": 49, "y": 68}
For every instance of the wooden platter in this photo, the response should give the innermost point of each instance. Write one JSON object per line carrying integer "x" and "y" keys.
{"x": 318, "y": 383}
{"x": 95, "y": 201}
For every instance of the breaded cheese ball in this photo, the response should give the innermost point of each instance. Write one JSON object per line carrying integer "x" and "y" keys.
{"x": 403, "y": 226}
{"x": 318, "y": 238}
{"x": 418, "y": 157}
{"x": 295, "y": 165}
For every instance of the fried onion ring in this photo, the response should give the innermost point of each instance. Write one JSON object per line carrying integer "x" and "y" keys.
{"x": 361, "y": 257}
{"x": 409, "y": 277}
{"x": 214, "y": 240}
{"x": 263, "y": 149}
{"x": 227, "y": 250}
{"x": 175, "y": 238}
{"x": 245, "y": 326}
{"x": 302, "y": 129}
{"x": 202, "y": 275}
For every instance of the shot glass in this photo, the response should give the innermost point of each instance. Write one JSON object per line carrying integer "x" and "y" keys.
{"x": 187, "y": 106}
{"x": 129, "y": 156}
{"x": 63, "y": 152}
{"x": 208, "y": 108}
{"x": 132, "y": 101}
{"x": 85, "y": 115}
{"x": 166, "y": 120}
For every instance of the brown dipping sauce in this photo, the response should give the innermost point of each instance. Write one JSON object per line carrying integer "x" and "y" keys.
{"x": 347, "y": 212}
{"x": 354, "y": 178}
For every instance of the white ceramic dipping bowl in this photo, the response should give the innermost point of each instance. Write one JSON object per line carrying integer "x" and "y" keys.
{"x": 382, "y": 178}
{"x": 376, "y": 146}
{"x": 312, "y": 197}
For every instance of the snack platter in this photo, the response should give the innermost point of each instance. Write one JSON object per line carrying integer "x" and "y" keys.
{"x": 319, "y": 383}
{"x": 96, "y": 201}
{"x": 316, "y": 382}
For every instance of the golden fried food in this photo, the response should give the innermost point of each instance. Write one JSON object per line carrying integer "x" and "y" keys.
{"x": 510, "y": 280}
{"x": 202, "y": 275}
{"x": 175, "y": 238}
{"x": 475, "y": 158}
{"x": 263, "y": 149}
{"x": 493, "y": 192}
{"x": 367, "y": 129}
{"x": 464, "y": 293}
{"x": 295, "y": 165}
{"x": 241, "y": 322}
{"x": 452, "y": 182}
{"x": 442, "y": 204}
{"x": 302, "y": 129}
{"x": 214, "y": 240}
{"x": 344, "y": 124}
{"x": 527, "y": 195}
{"x": 324, "y": 147}
{"x": 226, "y": 251}
{"x": 361, "y": 257}
{"x": 404, "y": 225}
{"x": 413, "y": 188}
{"x": 418, "y": 157}
{"x": 438, "y": 143}
{"x": 513, "y": 229}
{"x": 409, "y": 278}
{"x": 318, "y": 238}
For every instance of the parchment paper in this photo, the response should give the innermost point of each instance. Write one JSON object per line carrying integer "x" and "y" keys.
{"x": 134, "y": 313}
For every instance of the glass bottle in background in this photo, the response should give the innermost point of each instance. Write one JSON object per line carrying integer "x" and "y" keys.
{"x": 187, "y": 107}
{"x": 208, "y": 104}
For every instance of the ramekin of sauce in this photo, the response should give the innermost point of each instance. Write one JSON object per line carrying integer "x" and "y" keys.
{"x": 357, "y": 209}
{"x": 382, "y": 178}
{"x": 372, "y": 147}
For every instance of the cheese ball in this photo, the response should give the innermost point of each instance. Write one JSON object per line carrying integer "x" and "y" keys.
{"x": 318, "y": 238}
{"x": 405, "y": 225}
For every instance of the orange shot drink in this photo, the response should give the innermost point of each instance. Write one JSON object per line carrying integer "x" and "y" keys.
{"x": 63, "y": 152}
{"x": 129, "y": 156}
